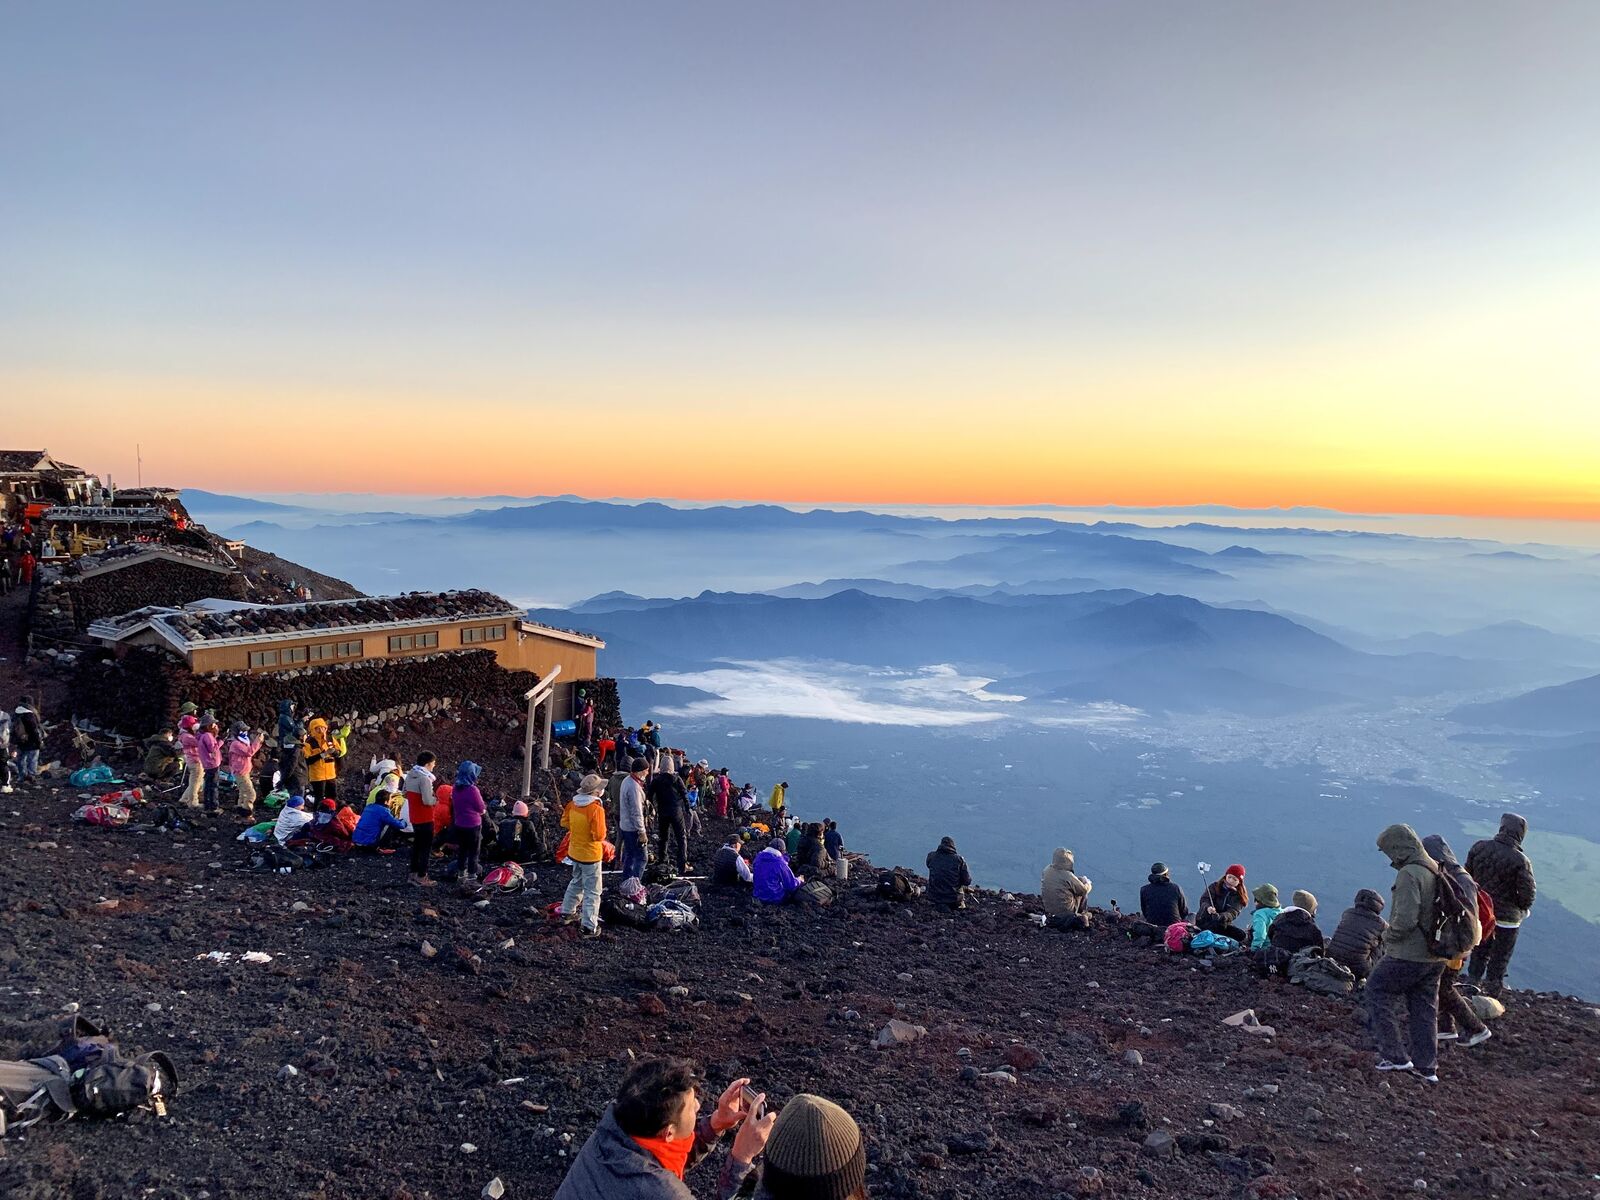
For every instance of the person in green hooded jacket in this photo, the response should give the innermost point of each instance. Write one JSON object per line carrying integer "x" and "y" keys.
{"x": 1266, "y": 912}
{"x": 1403, "y": 989}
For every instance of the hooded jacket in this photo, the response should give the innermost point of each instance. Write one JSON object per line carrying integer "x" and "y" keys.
{"x": 1358, "y": 941}
{"x": 612, "y": 1166}
{"x": 374, "y": 819}
{"x": 811, "y": 856}
{"x": 242, "y": 750}
{"x": 286, "y": 722}
{"x": 772, "y": 879}
{"x": 947, "y": 873}
{"x": 322, "y": 752}
{"x": 466, "y": 801}
{"x": 1501, "y": 868}
{"x": 1061, "y": 892}
{"x": 585, "y": 822}
{"x": 189, "y": 739}
{"x": 209, "y": 750}
{"x": 1162, "y": 902}
{"x": 1411, "y": 898}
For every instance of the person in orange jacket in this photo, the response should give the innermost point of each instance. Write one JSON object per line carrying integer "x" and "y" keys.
{"x": 585, "y": 823}
{"x": 323, "y": 751}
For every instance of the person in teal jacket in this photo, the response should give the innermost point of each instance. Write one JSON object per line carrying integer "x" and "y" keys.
{"x": 1266, "y": 912}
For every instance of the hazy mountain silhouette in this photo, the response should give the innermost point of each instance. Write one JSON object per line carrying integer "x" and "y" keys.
{"x": 1510, "y": 640}
{"x": 1564, "y": 708}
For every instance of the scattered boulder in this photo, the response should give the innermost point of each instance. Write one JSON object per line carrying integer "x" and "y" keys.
{"x": 1487, "y": 1007}
{"x": 494, "y": 1189}
{"x": 898, "y": 1033}
{"x": 1159, "y": 1144}
{"x": 979, "y": 1141}
{"x": 1024, "y": 1058}
{"x": 1132, "y": 1058}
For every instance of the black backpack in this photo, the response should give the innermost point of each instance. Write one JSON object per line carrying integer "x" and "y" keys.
{"x": 116, "y": 1085}
{"x": 897, "y": 885}
{"x": 1454, "y": 929}
{"x": 616, "y": 911}
{"x": 814, "y": 893}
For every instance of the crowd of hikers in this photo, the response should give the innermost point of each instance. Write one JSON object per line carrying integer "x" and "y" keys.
{"x": 635, "y": 802}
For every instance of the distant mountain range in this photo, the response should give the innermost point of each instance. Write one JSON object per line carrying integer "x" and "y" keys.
{"x": 1159, "y": 652}
{"x": 1565, "y": 708}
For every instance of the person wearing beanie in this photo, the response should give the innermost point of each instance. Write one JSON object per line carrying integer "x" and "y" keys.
{"x": 1222, "y": 903}
{"x": 1162, "y": 902}
{"x": 1295, "y": 928}
{"x": 291, "y": 820}
{"x": 630, "y": 819}
{"x": 516, "y": 838}
{"x": 948, "y": 877}
{"x": 1403, "y": 989}
{"x": 1064, "y": 894}
{"x": 1266, "y": 912}
{"x": 1357, "y": 941}
{"x": 653, "y": 1134}
{"x": 1457, "y": 1021}
{"x": 815, "y": 1152}
{"x": 585, "y": 823}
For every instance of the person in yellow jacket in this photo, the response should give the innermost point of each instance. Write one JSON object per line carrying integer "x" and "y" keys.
{"x": 585, "y": 822}
{"x": 780, "y": 797}
{"x": 324, "y": 749}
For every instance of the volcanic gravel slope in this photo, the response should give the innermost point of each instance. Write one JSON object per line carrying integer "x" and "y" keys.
{"x": 403, "y": 1059}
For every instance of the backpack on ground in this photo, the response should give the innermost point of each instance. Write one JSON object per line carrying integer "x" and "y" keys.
{"x": 116, "y": 1085}
{"x": 1316, "y": 972}
{"x": 671, "y": 916}
{"x": 1454, "y": 929}
{"x": 1207, "y": 942}
{"x": 507, "y": 877}
{"x": 658, "y": 872}
{"x": 89, "y": 776}
{"x": 83, "y": 1044}
{"x": 898, "y": 885}
{"x": 50, "y": 1088}
{"x": 1176, "y": 937}
{"x": 682, "y": 890}
{"x": 614, "y": 910}
{"x": 814, "y": 893}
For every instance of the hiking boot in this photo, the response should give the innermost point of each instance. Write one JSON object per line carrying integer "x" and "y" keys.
{"x": 586, "y": 932}
{"x": 1385, "y": 1065}
{"x": 568, "y": 918}
{"x": 1479, "y": 1038}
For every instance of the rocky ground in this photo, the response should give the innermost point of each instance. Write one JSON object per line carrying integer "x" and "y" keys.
{"x": 358, "y": 1064}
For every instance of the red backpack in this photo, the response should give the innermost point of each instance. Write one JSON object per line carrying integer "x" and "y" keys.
{"x": 1485, "y": 914}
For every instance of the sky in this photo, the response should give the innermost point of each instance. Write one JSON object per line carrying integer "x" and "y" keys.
{"x": 1073, "y": 253}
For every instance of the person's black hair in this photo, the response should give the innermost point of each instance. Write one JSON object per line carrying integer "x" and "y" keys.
{"x": 426, "y": 757}
{"x": 651, "y": 1095}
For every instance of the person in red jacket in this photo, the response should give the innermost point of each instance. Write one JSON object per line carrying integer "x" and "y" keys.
{"x": 25, "y": 566}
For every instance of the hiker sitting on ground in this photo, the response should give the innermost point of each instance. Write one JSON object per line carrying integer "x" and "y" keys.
{"x": 772, "y": 882}
{"x": 1457, "y": 1021}
{"x": 1357, "y": 943}
{"x": 1063, "y": 894}
{"x": 1161, "y": 903}
{"x": 812, "y": 856}
{"x": 728, "y": 868}
{"x": 1292, "y": 930}
{"x": 653, "y": 1133}
{"x": 814, "y": 1152}
{"x": 516, "y": 838}
{"x": 374, "y": 824}
{"x": 162, "y": 759}
{"x": 1266, "y": 912}
{"x": 1222, "y": 903}
{"x": 292, "y": 820}
{"x": 948, "y": 877}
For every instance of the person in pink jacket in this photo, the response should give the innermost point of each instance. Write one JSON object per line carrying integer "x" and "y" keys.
{"x": 189, "y": 744}
{"x": 242, "y": 750}
{"x": 209, "y": 748}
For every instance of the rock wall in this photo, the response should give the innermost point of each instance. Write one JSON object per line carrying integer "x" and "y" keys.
{"x": 140, "y": 693}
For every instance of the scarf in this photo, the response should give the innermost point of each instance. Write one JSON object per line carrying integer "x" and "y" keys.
{"x": 673, "y": 1156}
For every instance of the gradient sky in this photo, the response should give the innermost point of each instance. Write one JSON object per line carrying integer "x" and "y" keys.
{"x": 1260, "y": 254}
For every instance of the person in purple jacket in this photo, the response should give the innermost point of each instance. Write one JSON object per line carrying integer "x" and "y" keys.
{"x": 466, "y": 819}
{"x": 774, "y": 882}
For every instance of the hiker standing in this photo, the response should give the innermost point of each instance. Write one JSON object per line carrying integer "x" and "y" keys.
{"x": 5, "y": 753}
{"x": 189, "y": 744}
{"x": 420, "y": 803}
{"x": 27, "y": 734}
{"x": 1457, "y": 1021}
{"x": 1403, "y": 989}
{"x": 948, "y": 877}
{"x": 323, "y": 750}
{"x": 291, "y": 737}
{"x": 466, "y": 819}
{"x": 630, "y": 819}
{"x": 585, "y": 717}
{"x": 832, "y": 839}
{"x": 209, "y": 747}
{"x": 242, "y": 750}
{"x": 671, "y": 800}
{"x": 779, "y": 799}
{"x": 1063, "y": 894}
{"x": 1500, "y": 868}
{"x": 585, "y": 823}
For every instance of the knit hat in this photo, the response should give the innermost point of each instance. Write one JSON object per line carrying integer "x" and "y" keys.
{"x": 295, "y": 802}
{"x": 815, "y": 1152}
{"x": 1159, "y": 869}
{"x": 1266, "y": 895}
{"x": 1305, "y": 900}
{"x": 519, "y": 809}
{"x": 1235, "y": 869}
{"x": 636, "y": 766}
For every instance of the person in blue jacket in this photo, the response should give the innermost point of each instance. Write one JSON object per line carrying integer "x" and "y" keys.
{"x": 374, "y": 823}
